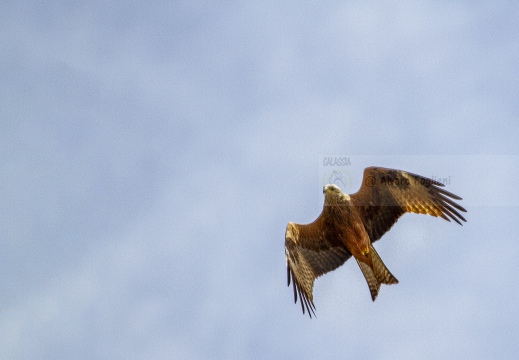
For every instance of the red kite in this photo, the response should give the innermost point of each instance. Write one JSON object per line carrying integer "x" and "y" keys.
{"x": 350, "y": 224}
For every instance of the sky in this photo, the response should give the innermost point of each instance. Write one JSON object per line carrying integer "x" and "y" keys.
{"x": 152, "y": 154}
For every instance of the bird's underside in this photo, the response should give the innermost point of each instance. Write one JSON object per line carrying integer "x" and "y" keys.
{"x": 349, "y": 224}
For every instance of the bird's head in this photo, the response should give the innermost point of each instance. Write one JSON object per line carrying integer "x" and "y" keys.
{"x": 334, "y": 195}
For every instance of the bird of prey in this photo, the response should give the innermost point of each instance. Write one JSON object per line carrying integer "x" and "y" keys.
{"x": 350, "y": 224}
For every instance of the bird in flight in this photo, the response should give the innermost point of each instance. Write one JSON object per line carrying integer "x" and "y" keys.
{"x": 350, "y": 224}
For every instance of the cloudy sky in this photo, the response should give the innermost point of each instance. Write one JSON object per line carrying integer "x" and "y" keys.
{"x": 152, "y": 154}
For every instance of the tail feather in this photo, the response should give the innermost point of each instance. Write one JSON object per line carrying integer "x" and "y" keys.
{"x": 377, "y": 274}
{"x": 380, "y": 270}
{"x": 373, "y": 283}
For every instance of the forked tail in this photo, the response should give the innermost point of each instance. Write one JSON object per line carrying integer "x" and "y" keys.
{"x": 376, "y": 275}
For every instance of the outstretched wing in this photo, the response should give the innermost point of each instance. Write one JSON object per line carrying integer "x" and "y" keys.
{"x": 310, "y": 254}
{"x": 386, "y": 194}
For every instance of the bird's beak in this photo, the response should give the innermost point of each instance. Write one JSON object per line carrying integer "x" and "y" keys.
{"x": 324, "y": 189}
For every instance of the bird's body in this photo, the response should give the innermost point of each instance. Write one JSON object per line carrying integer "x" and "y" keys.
{"x": 349, "y": 224}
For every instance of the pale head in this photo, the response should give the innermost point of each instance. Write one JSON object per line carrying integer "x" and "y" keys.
{"x": 333, "y": 194}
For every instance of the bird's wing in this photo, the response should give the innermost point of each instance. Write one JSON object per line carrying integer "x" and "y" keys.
{"x": 310, "y": 254}
{"x": 386, "y": 194}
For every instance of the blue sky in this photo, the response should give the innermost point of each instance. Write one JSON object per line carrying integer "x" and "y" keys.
{"x": 152, "y": 155}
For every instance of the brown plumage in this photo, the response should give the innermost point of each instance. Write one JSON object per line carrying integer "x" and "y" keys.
{"x": 349, "y": 224}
